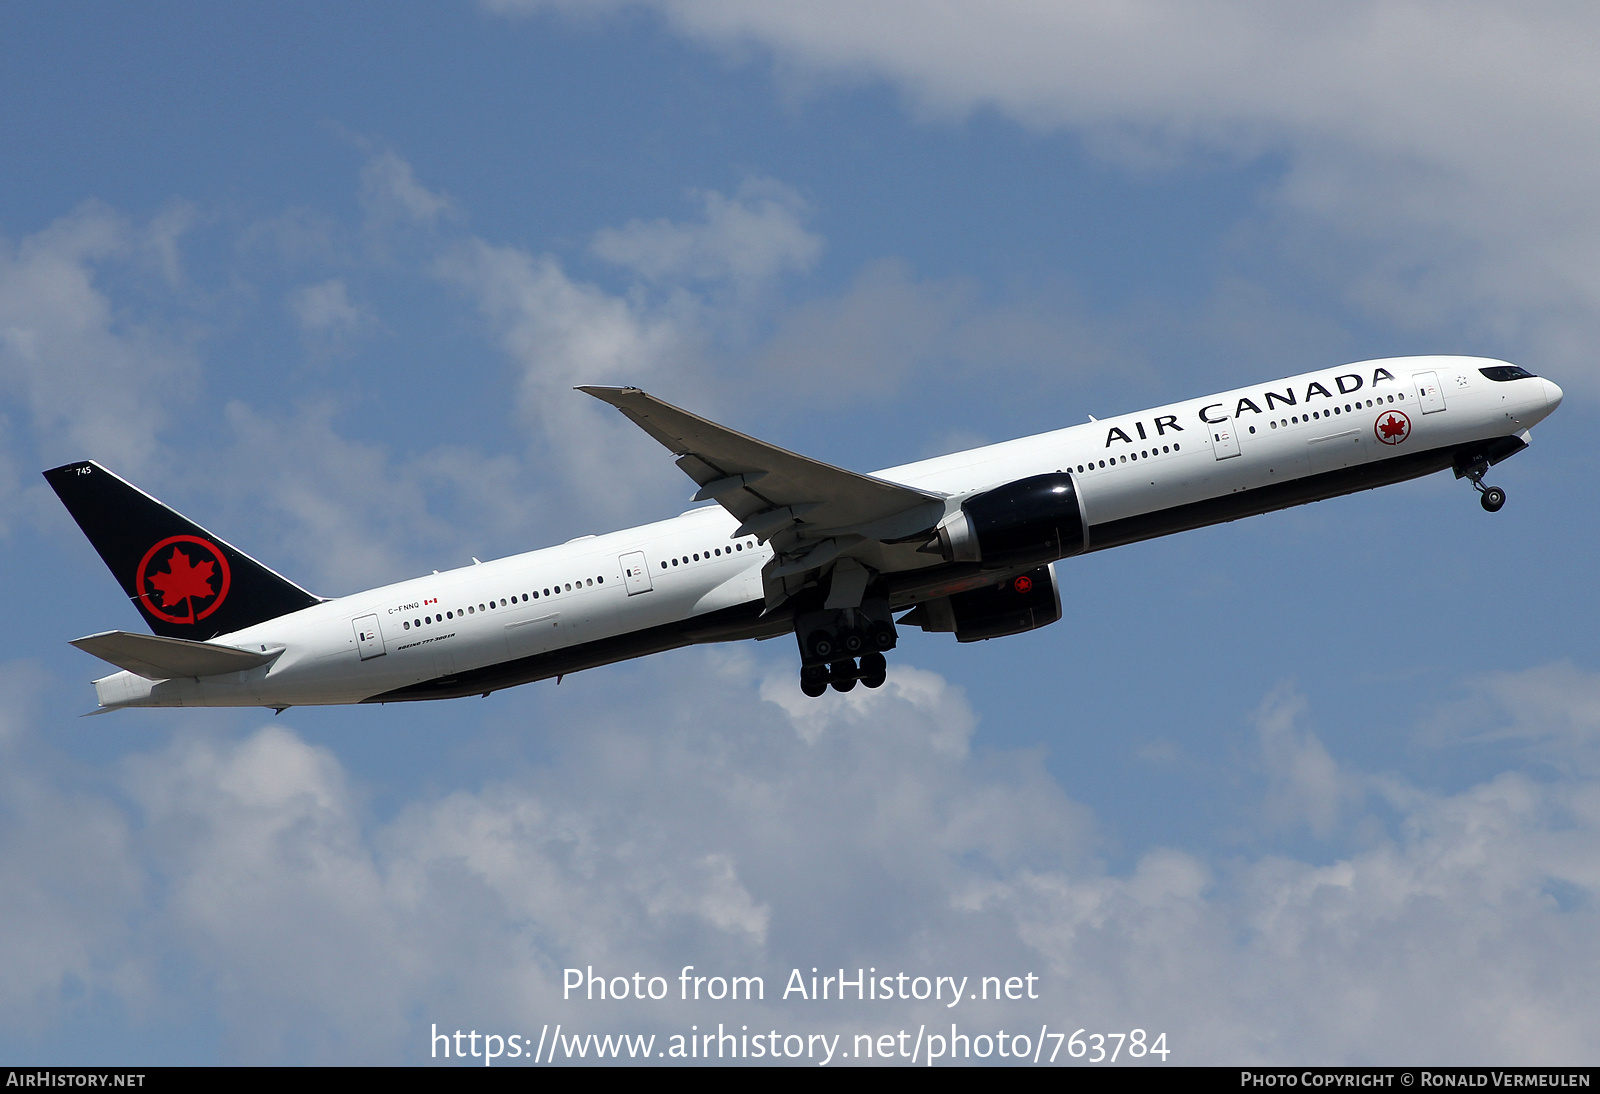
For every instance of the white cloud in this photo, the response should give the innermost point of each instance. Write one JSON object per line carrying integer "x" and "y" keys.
{"x": 390, "y": 192}
{"x": 1439, "y": 156}
{"x": 746, "y": 240}
{"x": 562, "y": 333}
{"x": 1307, "y": 786}
{"x": 340, "y": 515}
{"x": 1550, "y": 714}
{"x": 759, "y": 832}
{"x": 96, "y": 383}
{"x": 325, "y": 310}
{"x": 890, "y": 328}
{"x": 694, "y": 285}
{"x": 70, "y": 888}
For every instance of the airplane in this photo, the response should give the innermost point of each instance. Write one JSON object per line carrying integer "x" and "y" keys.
{"x": 966, "y": 543}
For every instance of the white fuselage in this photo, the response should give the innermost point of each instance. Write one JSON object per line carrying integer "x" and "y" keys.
{"x": 590, "y": 594}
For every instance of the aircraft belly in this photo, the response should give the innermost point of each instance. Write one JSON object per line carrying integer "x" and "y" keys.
{"x": 1220, "y": 508}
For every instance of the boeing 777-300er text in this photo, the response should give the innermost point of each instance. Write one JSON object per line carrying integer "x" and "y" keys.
{"x": 966, "y": 543}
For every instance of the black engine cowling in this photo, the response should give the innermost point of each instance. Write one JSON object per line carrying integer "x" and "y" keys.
{"x": 1022, "y": 603}
{"x": 1036, "y": 519}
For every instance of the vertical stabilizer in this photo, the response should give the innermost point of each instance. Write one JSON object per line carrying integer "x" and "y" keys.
{"x": 186, "y": 582}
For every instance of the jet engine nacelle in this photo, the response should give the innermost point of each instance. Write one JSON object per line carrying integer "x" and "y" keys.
{"x": 1024, "y": 602}
{"x": 1030, "y": 520}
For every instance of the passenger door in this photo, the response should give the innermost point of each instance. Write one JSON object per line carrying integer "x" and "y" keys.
{"x": 1430, "y": 396}
{"x": 635, "y": 573}
{"x": 1224, "y": 441}
{"x": 369, "y": 639}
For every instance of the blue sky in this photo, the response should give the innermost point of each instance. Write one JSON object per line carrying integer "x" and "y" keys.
{"x": 1314, "y": 787}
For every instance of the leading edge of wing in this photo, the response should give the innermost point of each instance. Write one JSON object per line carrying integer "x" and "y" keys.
{"x": 775, "y": 493}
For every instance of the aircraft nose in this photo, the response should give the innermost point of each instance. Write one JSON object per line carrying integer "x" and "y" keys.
{"x": 1552, "y": 395}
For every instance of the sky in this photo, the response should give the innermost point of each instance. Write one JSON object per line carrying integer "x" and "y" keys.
{"x": 1321, "y": 786}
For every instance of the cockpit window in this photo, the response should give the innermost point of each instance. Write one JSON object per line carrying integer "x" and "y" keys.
{"x": 1503, "y": 373}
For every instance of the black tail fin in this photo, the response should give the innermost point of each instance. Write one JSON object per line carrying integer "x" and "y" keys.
{"x": 186, "y": 582}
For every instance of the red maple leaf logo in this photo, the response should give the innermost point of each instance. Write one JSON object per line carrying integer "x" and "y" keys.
{"x": 1393, "y": 427}
{"x": 184, "y": 581}
{"x": 1024, "y": 584}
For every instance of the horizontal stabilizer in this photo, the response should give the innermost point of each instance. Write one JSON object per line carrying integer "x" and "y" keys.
{"x": 167, "y": 658}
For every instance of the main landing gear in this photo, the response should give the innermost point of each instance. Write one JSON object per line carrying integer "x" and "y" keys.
{"x": 871, "y": 670}
{"x": 1493, "y": 498}
{"x": 844, "y": 646}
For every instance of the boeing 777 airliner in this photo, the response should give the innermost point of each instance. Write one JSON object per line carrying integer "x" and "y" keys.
{"x": 966, "y": 543}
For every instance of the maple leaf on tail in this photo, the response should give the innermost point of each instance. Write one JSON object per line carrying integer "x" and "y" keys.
{"x": 184, "y": 580}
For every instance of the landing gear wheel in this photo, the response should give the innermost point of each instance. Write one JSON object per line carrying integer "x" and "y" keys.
{"x": 1493, "y": 498}
{"x": 880, "y": 637}
{"x": 823, "y": 645}
{"x": 814, "y": 680}
{"x": 874, "y": 670}
{"x": 842, "y": 675}
{"x": 852, "y": 641}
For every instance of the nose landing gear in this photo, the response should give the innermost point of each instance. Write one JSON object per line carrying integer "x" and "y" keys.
{"x": 1492, "y": 497}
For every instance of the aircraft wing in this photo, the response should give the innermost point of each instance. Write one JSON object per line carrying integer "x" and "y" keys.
{"x": 811, "y": 512}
